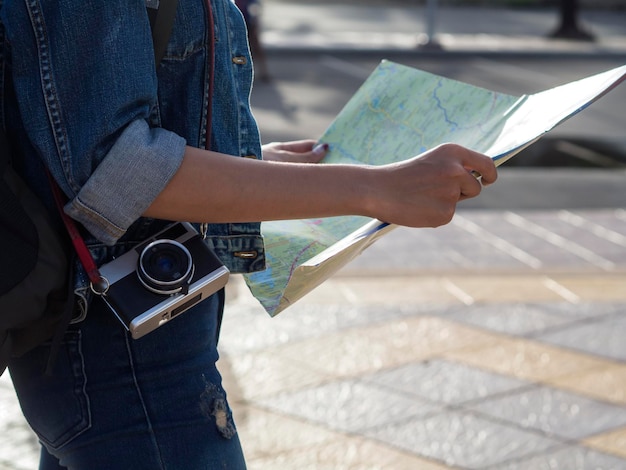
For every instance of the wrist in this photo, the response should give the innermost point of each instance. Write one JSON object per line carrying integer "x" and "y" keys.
{"x": 365, "y": 197}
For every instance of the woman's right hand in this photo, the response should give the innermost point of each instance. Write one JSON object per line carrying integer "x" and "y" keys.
{"x": 424, "y": 191}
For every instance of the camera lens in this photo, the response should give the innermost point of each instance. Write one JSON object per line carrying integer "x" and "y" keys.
{"x": 165, "y": 267}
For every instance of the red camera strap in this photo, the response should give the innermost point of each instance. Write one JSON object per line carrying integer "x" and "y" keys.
{"x": 211, "y": 28}
{"x": 77, "y": 240}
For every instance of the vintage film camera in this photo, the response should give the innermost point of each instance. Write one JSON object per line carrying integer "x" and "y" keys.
{"x": 161, "y": 278}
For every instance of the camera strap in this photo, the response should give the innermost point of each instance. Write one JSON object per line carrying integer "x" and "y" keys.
{"x": 99, "y": 285}
{"x": 211, "y": 52}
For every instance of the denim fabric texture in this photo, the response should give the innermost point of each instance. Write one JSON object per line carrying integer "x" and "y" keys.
{"x": 80, "y": 96}
{"x": 111, "y": 130}
{"x": 115, "y": 403}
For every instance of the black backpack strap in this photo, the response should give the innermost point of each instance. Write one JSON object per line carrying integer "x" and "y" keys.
{"x": 162, "y": 14}
{"x": 4, "y": 152}
{"x": 6, "y": 346}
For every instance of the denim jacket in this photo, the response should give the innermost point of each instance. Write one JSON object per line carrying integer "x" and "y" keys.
{"x": 80, "y": 94}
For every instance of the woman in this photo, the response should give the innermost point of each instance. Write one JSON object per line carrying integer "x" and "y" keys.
{"x": 134, "y": 148}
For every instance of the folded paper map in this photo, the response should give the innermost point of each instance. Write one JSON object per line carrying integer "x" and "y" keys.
{"x": 400, "y": 112}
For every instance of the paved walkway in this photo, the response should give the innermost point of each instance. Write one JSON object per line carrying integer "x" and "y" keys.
{"x": 495, "y": 342}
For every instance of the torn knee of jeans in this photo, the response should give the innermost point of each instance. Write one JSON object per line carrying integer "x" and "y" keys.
{"x": 223, "y": 418}
{"x": 213, "y": 403}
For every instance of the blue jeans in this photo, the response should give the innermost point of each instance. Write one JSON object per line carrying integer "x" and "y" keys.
{"x": 113, "y": 402}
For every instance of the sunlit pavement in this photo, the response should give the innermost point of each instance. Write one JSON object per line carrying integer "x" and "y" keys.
{"x": 517, "y": 362}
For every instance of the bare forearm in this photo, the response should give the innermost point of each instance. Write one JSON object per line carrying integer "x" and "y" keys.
{"x": 420, "y": 192}
{"x": 211, "y": 187}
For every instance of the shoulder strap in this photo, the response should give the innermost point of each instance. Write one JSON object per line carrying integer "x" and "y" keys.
{"x": 4, "y": 153}
{"x": 162, "y": 14}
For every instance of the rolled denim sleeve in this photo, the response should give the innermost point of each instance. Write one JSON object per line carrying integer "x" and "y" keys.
{"x": 87, "y": 89}
{"x": 136, "y": 169}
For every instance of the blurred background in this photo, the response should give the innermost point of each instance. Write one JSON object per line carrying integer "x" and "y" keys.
{"x": 513, "y": 46}
{"x": 495, "y": 342}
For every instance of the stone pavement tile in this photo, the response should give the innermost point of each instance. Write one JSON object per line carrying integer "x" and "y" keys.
{"x": 436, "y": 289}
{"x": 608, "y": 287}
{"x": 260, "y": 374}
{"x": 265, "y": 434}
{"x": 459, "y": 244}
{"x": 275, "y": 441}
{"x": 608, "y": 384}
{"x": 615, "y": 218}
{"x": 530, "y": 319}
{"x": 610, "y": 227}
{"x": 368, "y": 349}
{"x": 349, "y": 406}
{"x": 567, "y": 458}
{"x": 538, "y": 239}
{"x": 612, "y": 442}
{"x": 498, "y": 236}
{"x": 383, "y": 291}
{"x": 594, "y": 231}
{"x": 601, "y": 337}
{"x": 527, "y": 360}
{"x": 503, "y": 288}
{"x": 553, "y": 412}
{"x": 248, "y": 328}
{"x": 463, "y": 439}
{"x": 583, "y": 309}
{"x": 534, "y": 244}
{"x": 362, "y": 293}
{"x": 562, "y": 243}
{"x": 520, "y": 319}
{"x": 477, "y": 244}
{"x": 346, "y": 454}
{"x": 445, "y": 382}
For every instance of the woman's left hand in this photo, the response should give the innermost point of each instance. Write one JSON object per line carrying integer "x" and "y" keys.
{"x": 299, "y": 151}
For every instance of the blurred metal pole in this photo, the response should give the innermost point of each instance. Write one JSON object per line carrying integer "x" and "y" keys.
{"x": 569, "y": 27}
{"x": 428, "y": 41}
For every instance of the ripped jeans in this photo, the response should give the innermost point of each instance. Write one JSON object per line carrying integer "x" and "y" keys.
{"x": 113, "y": 402}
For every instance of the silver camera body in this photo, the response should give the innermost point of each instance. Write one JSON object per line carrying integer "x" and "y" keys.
{"x": 161, "y": 278}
